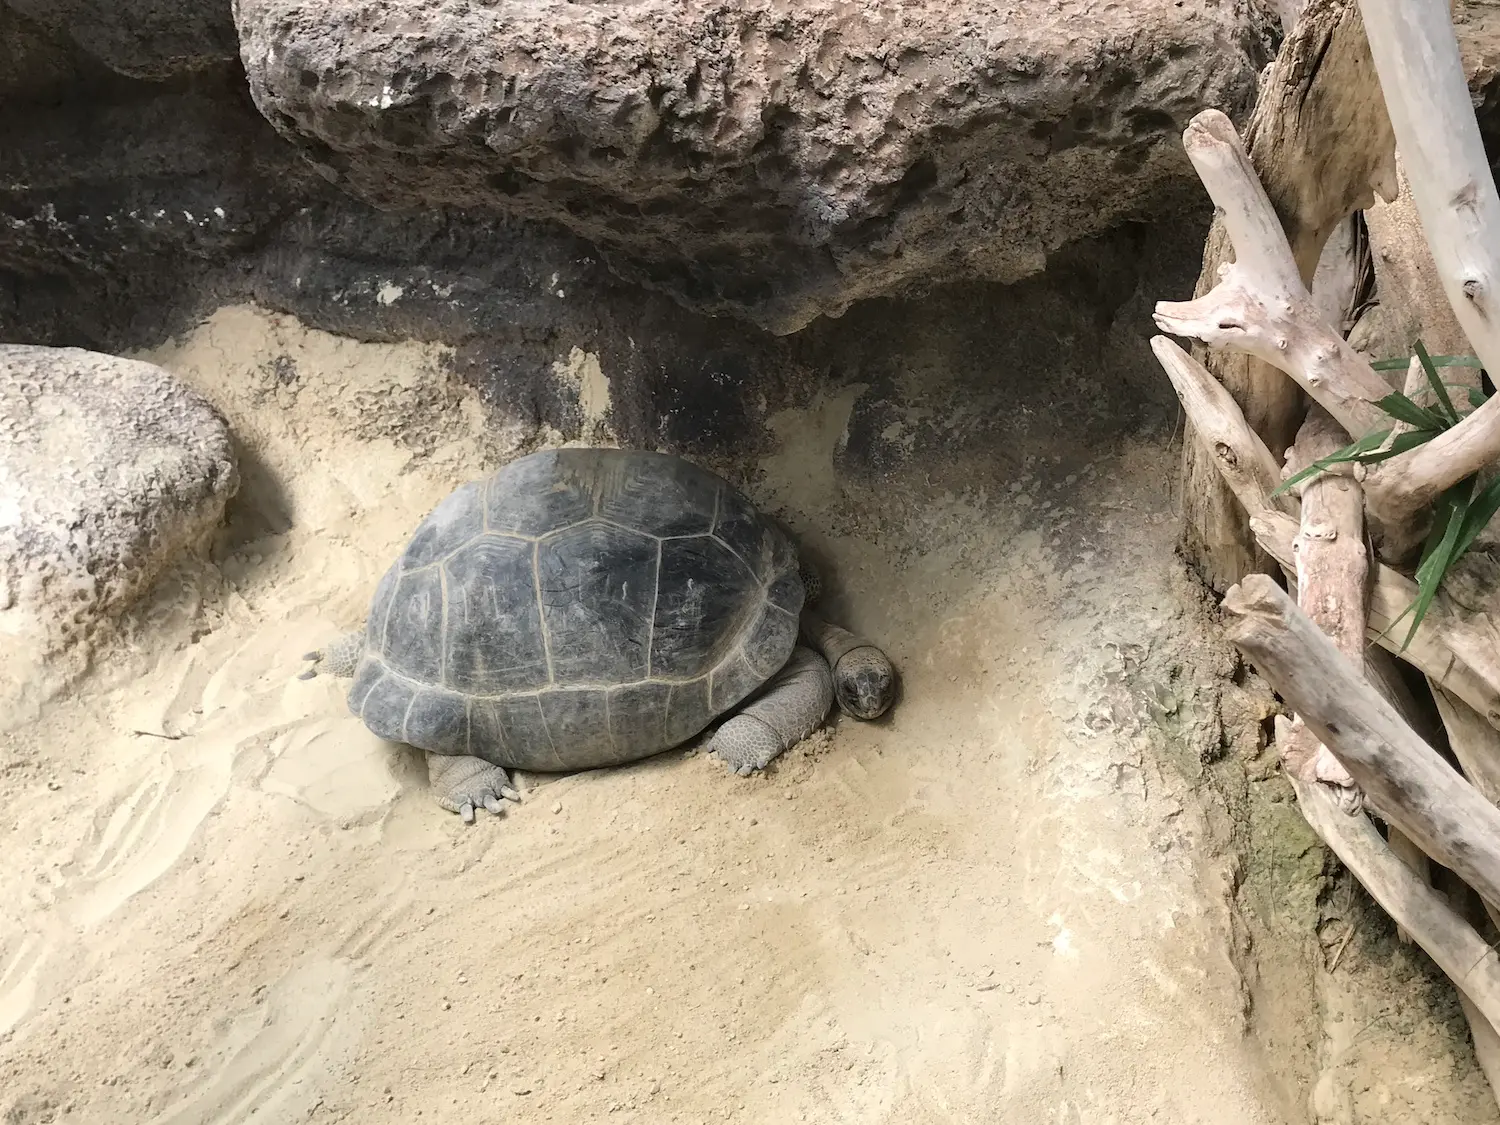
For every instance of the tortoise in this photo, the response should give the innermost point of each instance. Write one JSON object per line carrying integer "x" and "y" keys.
{"x": 582, "y": 608}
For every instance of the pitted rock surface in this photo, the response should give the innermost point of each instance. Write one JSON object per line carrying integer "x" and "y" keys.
{"x": 754, "y": 157}
{"x": 109, "y": 470}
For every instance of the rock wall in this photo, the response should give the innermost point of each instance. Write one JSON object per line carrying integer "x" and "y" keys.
{"x": 140, "y": 187}
{"x": 762, "y": 163}
{"x": 756, "y": 158}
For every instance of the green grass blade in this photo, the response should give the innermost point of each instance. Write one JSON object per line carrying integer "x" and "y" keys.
{"x": 1403, "y": 444}
{"x": 1437, "y": 556}
{"x": 1477, "y": 397}
{"x": 1401, "y": 408}
{"x": 1481, "y": 510}
{"x": 1437, "y": 361}
{"x": 1354, "y": 451}
{"x": 1439, "y": 391}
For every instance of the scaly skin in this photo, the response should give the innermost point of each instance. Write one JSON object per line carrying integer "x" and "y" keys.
{"x": 792, "y": 705}
{"x": 831, "y": 663}
{"x": 461, "y": 784}
{"x": 864, "y": 681}
{"x": 338, "y": 659}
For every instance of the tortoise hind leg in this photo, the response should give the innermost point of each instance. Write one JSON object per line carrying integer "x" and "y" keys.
{"x": 462, "y": 784}
{"x": 338, "y": 659}
{"x": 792, "y": 705}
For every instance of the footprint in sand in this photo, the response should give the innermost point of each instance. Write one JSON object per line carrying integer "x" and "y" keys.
{"x": 277, "y": 1057}
{"x": 216, "y": 712}
{"x": 141, "y": 836}
{"x": 22, "y": 955}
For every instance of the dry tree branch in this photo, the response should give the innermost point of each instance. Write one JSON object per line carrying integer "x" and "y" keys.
{"x": 1403, "y": 778}
{"x": 1333, "y": 578}
{"x": 1449, "y": 184}
{"x": 1261, "y": 306}
{"x": 1473, "y": 741}
{"x": 1416, "y": 56}
{"x": 1319, "y": 138}
{"x": 1418, "y": 909}
{"x": 1403, "y": 486}
{"x": 1459, "y": 654}
{"x": 1385, "y": 676}
{"x": 1332, "y": 563}
{"x": 1241, "y": 457}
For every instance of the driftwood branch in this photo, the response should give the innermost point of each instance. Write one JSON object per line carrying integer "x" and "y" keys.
{"x": 1332, "y": 563}
{"x": 1318, "y": 137}
{"x": 1242, "y": 459}
{"x": 1385, "y": 677}
{"x": 1474, "y": 743}
{"x": 1402, "y": 777}
{"x": 1261, "y": 305}
{"x": 1332, "y": 560}
{"x": 1421, "y": 72}
{"x": 1418, "y": 909}
{"x": 1413, "y": 305}
{"x": 1403, "y": 486}
{"x": 1460, "y": 654}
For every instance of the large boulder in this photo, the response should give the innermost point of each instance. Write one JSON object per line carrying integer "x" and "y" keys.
{"x": 771, "y": 160}
{"x": 109, "y": 470}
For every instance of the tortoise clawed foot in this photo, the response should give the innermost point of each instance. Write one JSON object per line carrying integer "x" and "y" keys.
{"x": 464, "y": 785}
{"x": 490, "y": 801}
{"x": 745, "y": 745}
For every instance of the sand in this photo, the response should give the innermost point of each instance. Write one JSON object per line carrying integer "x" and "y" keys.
{"x": 225, "y": 901}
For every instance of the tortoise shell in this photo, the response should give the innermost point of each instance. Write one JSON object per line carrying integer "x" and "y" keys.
{"x": 578, "y": 608}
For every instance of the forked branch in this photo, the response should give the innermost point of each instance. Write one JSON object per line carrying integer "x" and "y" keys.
{"x": 1460, "y": 654}
{"x": 1262, "y": 308}
{"x": 1260, "y": 305}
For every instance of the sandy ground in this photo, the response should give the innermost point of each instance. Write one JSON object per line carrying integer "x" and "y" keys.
{"x": 225, "y": 901}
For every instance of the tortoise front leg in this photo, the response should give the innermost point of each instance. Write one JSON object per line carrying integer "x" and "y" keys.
{"x": 791, "y": 706}
{"x": 461, "y": 784}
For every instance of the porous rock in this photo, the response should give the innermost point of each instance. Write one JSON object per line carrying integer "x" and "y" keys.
{"x": 772, "y": 160}
{"x": 109, "y": 470}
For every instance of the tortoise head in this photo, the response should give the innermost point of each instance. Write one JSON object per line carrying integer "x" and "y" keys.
{"x": 864, "y": 682}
